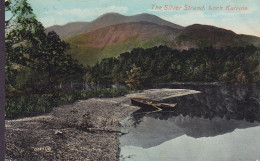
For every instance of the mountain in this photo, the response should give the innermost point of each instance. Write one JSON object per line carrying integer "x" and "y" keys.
{"x": 69, "y": 29}
{"x": 113, "y": 40}
{"x": 107, "y": 19}
{"x": 112, "y": 34}
{"x": 198, "y": 35}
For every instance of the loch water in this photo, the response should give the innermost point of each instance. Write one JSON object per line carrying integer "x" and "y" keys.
{"x": 222, "y": 123}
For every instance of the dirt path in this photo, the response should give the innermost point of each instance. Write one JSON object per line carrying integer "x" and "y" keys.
{"x": 59, "y": 135}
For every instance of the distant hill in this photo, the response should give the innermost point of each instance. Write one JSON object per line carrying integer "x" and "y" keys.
{"x": 107, "y": 19}
{"x": 198, "y": 35}
{"x": 112, "y": 34}
{"x": 69, "y": 29}
{"x": 113, "y": 40}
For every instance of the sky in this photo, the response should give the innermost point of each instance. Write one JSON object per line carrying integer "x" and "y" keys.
{"x": 244, "y": 20}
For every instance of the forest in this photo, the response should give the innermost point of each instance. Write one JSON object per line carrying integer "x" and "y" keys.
{"x": 163, "y": 64}
{"x": 36, "y": 62}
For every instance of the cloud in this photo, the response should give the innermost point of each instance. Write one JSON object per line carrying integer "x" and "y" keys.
{"x": 239, "y": 24}
{"x": 49, "y": 21}
{"x": 190, "y": 18}
{"x": 250, "y": 10}
{"x": 92, "y": 12}
{"x": 247, "y": 25}
{"x": 61, "y": 17}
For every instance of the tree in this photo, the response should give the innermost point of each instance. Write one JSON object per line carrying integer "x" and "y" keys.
{"x": 135, "y": 77}
{"x": 50, "y": 58}
{"x": 21, "y": 28}
{"x": 27, "y": 45}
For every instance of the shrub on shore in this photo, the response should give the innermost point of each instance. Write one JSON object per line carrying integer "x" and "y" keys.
{"x": 34, "y": 104}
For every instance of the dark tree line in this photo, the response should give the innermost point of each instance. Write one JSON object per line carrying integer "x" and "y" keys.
{"x": 163, "y": 64}
{"x": 34, "y": 58}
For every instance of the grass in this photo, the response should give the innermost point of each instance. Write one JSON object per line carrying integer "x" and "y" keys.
{"x": 85, "y": 55}
{"x": 90, "y": 56}
{"x": 200, "y": 42}
{"x": 35, "y": 104}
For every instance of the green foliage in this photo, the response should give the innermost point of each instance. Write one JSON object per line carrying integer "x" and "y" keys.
{"x": 163, "y": 64}
{"x": 30, "y": 49}
{"x": 88, "y": 55}
{"x": 34, "y": 104}
{"x": 199, "y": 41}
{"x": 51, "y": 59}
{"x": 20, "y": 26}
{"x": 28, "y": 105}
{"x": 135, "y": 78}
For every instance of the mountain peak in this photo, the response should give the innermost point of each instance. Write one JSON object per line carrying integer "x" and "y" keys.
{"x": 145, "y": 14}
{"x": 207, "y": 29}
{"x": 108, "y": 19}
{"x": 109, "y": 15}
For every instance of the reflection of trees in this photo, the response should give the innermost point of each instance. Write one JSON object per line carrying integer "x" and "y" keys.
{"x": 152, "y": 131}
{"x": 138, "y": 116}
{"x": 227, "y": 101}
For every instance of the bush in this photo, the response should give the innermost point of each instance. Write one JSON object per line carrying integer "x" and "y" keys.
{"x": 35, "y": 104}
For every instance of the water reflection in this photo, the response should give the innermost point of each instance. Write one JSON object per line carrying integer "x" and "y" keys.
{"x": 229, "y": 101}
{"x": 239, "y": 145}
{"x": 220, "y": 123}
{"x": 155, "y": 128}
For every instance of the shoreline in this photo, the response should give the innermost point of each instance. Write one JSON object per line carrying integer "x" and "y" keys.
{"x": 60, "y": 134}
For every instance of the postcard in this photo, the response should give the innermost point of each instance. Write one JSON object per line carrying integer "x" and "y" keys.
{"x": 151, "y": 80}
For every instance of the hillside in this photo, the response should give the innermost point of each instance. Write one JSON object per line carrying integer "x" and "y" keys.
{"x": 107, "y": 19}
{"x": 113, "y": 40}
{"x": 198, "y": 35}
{"x": 69, "y": 29}
{"x": 112, "y": 34}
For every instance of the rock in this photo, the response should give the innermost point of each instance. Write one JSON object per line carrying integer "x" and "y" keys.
{"x": 57, "y": 132}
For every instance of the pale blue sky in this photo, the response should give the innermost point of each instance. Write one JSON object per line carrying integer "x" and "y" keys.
{"x": 51, "y": 12}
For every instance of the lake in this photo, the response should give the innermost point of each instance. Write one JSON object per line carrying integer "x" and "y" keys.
{"x": 219, "y": 124}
